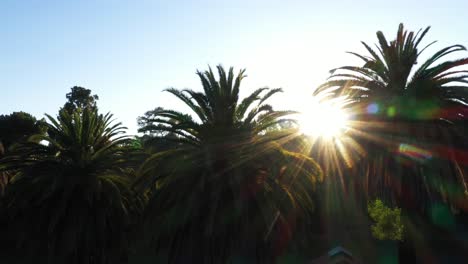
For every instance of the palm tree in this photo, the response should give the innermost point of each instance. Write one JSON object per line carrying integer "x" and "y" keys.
{"x": 227, "y": 186}
{"x": 418, "y": 104}
{"x": 405, "y": 117}
{"x": 390, "y": 73}
{"x": 15, "y": 128}
{"x": 70, "y": 200}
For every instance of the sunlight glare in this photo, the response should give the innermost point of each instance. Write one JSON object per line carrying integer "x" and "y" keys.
{"x": 323, "y": 118}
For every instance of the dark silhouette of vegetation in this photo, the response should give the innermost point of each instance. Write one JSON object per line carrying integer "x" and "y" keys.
{"x": 407, "y": 118}
{"x": 228, "y": 187}
{"x": 17, "y": 127}
{"x": 155, "y": 139}
{"x": 412, "y": 101}
{"x": 73, "y": 185}
{"x": 234, "y": 181}
{"x": 389, "y": 74}
{"x": 80, "y": 98}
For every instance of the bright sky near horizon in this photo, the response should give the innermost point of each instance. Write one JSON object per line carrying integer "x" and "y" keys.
{"x": 127, "y": 52}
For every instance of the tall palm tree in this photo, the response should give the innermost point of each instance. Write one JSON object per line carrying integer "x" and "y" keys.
{"x": 228, "y": 186}
{"x": 70, "y": 201}
{"x": 416, "y": 104}
{"x": 404, "y": 118}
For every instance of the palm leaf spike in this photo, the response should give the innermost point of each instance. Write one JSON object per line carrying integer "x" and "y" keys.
{"x": 214, "y": 86}
{"x": 269, "y": 94}
{"x": 209, "y": 93}
{"x": 235, "y": 90}
{"x": 230, "y": 80}
{"x": 248, "y": 101}
{"x": 198, "y": 109}
{"x": 422, "y": 36}
{"x": 225, "y": 87}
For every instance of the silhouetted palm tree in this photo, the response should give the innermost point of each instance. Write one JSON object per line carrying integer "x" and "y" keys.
{"x": 70, "y": 200}
{"x": 390, "y": 74}
{"x": 405, "y": 119}
{"x": 418, "y": 104}
{"x": 228, "y": 187}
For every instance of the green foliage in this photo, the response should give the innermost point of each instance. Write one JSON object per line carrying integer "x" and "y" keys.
{"x": 145, "y": 122}
{"x": 155, "y": 137}
{"x": 81, "y": 98}
{"x": 388, "y": 224}
{"x": 73, "y": 184}
{"x": 17, "y": 127}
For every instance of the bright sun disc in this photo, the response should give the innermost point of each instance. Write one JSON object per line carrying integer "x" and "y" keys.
{"x": 326, "y": 119}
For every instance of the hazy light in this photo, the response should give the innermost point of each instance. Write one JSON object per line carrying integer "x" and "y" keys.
{"x": 414, "y": 152}
{"x": 325, "y": 118}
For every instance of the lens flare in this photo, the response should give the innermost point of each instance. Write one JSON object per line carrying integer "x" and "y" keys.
{"x": 373, "y": 108}
{"x": 413, "y": 152}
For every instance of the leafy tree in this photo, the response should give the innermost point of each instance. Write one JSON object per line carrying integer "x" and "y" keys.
{"x": 388, "y": 224}
{"x": 145, "y": 123}
{"x": 17, "y": 127}
{"x": 229, "y": 188}
{"x": 155, "y": 139}
{"x": 72, "y": 185}
{"x": 80, "y": 97}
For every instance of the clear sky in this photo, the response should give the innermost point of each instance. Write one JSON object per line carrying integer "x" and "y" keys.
{"x": 127, "y": 52}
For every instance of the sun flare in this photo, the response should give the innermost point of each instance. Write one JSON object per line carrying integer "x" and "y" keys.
{"x": 324, "y": 118}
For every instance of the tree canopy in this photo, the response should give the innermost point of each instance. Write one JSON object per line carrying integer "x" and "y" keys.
{"x": 80, "y": 97}
{"x": 17, "y": 127}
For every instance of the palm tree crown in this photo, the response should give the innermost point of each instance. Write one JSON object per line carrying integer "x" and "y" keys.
{"x": 218, "y": 109}
{"x": 228, "y": 180}
{"x": 72, "y": 183}
{"x": 389, "y": 74}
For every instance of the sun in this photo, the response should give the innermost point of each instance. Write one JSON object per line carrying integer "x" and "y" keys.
{"x": 324, "y": 118}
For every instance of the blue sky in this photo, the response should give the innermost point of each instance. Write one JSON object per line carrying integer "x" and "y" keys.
{"x": 129, "y": 51}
